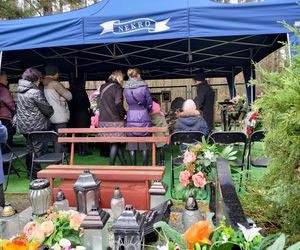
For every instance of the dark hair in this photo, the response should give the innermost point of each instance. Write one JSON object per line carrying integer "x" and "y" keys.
{"x": 31, "y": 74}
{"x": 177, "y": 103}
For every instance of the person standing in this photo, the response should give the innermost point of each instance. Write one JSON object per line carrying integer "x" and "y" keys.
{"x": 57, "y": 96}
{"x": 138, "y": 98}
{"x": 32, "y": 113}
{"x": 112, "y": 113}
{"x": 79, "y": 111}
{"x": 3, "y": 138}
{"x": 7, "y": 108}
{"x": 206, "y": 100}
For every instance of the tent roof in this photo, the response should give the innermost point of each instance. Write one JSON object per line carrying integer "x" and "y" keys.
{"x": 170, "y": 38}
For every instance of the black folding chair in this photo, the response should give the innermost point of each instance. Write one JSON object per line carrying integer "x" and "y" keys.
{"x": 260, "y": 162}
{"x": 232, "y": 138}
{"x": 48, "y": 158}
{"x": 177, "y": 139}
{"x": 11, "y": 156}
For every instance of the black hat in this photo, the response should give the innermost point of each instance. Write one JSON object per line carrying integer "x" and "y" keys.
{"x": 51, "y": 69}
{"x": 199, "y": 77}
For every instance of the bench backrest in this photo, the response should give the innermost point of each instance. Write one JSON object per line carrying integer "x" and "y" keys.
{"x": 148, "y": 139}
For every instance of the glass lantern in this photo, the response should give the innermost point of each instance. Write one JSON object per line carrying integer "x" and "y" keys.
{"x": 128, "y": 230}
{"x": 117, "y": 204}
{"x": 157, "y": 193}
{"x": 86, "y": 190}
{"x": 191, "y": 214}
{"x": 39, "y": 196}
{"x": 9, "y": 222}
{"x": 61, "y": 203}
{"x": 95, "y": 229}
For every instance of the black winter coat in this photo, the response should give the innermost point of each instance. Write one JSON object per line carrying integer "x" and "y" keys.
{"x": 79, "y": 108}
{"x": 206, "y": 102}
{"x": 33, "y": 111}
{"x": 110, "y": 103}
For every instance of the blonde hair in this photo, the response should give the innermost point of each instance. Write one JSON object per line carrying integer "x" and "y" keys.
{"x": 117, "y": 75}
{"x": 133, "y": 72}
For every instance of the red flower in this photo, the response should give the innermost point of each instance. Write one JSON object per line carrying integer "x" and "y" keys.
{"x": 249, "y": 130}
{"x": 254, "y": 116}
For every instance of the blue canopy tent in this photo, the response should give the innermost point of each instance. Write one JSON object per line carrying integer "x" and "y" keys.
{"x": 166, "y": 39}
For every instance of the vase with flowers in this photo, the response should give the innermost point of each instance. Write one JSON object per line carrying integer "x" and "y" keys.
{"x": 199, "y": 167}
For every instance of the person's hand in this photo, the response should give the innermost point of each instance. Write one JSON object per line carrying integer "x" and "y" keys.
{"x": 62, "y": 99}
{"x": 125, "y": 117}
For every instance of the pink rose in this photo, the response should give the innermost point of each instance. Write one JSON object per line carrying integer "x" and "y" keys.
{"x": 38, "y": 236}
{"x": 189, "y": 157}
{"x": 76, "y": 220}
{"x": 30, "y": 229}
{"x": 199, "y": 180}
{"x": 184, "y": 178}
{"x": 47, "y": 227}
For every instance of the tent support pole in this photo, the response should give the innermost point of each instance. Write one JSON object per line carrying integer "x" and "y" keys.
{"x": 76, "y": 68}
{"x": 1, "y": 53}
{"x": 233, "y": 82}
{"x": 251, "y": 75}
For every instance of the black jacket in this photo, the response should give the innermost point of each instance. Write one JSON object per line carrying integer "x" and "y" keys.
{"x": 33, "y": 111}
{"x": 79, "y": 108}
{"x": 110, "y": 104}
{"x": 206, "y": 102}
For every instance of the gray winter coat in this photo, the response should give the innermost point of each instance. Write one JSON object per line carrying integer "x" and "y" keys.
{"x": 33, "y": 111}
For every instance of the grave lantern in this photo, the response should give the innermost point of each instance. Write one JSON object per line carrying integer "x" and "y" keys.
{"x": 9, "y": 222}
{"x": 86, "y": 190}
{"x": 157, "y": 192}
{"x": 191, "y": 214}
{"x": 128, "y": 230}
{"x": 95, "y": 229}
{"x": 117, "y": 204}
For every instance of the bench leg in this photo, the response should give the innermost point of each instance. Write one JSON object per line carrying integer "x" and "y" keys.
{"x": 148, "y": 195}
{"x": 51, "y": 188}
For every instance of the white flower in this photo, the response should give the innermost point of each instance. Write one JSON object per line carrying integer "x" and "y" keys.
{"x": 209, "y": 155}
{"x": 65, "y": 243}
{"x": 80, "y": 248}
{"x": 224, "y": 238}
{"x": 165, "y": 247}
{"x": 56, "y": 247}
{"x": 251, "y": 233}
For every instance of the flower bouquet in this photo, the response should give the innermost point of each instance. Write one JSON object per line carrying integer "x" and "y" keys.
{"x": 199, "y": 166}
{"x": 204, "y": 236}
{"x": 251, "y": 123}
{"x": 55, "y": 226}
{"x": 238, "y": 107}
{"x": 19, "y": 243}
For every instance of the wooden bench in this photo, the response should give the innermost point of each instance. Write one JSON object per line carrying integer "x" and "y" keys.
{"x": 134, "y": 181}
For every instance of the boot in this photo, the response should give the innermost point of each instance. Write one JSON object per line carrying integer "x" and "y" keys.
{"x": 132, "y": 157}
{"x": 113, "y": 153}
{"x": 161, "y": 157}
{"x": 145, "y": 157}
{"x": 121, "y": 156}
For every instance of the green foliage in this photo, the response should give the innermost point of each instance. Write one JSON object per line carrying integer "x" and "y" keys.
{"x": 279, "y": 189}
{"x": 171, "y": 234}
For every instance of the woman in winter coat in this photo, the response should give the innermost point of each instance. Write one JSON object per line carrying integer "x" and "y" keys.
{"x": 33, "y": 112}
{"x": 190, "y": 119}
{"x": 7, "y": 108}
{"x": 112, "y": 113}
{"x": 139, "y": 102}
{"x": 3, "y": 138}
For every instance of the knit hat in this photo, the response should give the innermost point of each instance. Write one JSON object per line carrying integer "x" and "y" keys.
{"x": 156, "y": 108}
{"x": 51, "y": 69}
{"x": 189, "y": 105}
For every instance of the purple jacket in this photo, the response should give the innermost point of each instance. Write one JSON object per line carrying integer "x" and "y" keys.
{"x": 7, "y": 104}
{"x": 139, "y": 102}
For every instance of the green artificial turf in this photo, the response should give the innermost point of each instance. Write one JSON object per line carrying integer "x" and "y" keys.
{"x": 21, "y": 184}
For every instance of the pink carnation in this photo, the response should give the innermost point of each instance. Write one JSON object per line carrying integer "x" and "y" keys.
{"x": 184, "y": 178}
{"x": 189, "y": 157}
{"x": 199, "y": 180}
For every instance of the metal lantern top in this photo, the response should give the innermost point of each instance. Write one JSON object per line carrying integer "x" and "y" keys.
{"x": 39, "y": 184}
{"x": 117, "y": 193}
{"x": 191, "y": 203}
{"x": 60, "y": 196}
{"x": 95, "y": 219}
{"x": 158, "y": 188}
{"x": 86, "y": 181}
{"x": 130, "y": 221}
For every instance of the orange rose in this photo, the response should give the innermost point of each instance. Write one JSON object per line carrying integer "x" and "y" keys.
{"x": 198, "y": 233}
